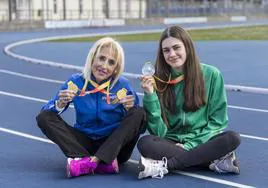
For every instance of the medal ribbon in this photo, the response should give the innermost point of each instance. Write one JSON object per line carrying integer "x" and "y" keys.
{"x": 98, "y": 88}
{"x": 174, "y": 81}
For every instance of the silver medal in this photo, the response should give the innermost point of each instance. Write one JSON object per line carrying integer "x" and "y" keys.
{"x": 148, "y": 69}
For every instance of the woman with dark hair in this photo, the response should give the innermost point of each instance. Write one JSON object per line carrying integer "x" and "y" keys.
{"x": 108, "y": 117}
{"x": 186, "y": 108}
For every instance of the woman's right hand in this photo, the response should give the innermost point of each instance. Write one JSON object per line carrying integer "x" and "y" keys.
{"x": 65, "y": 96}
{"x": 147, "y": 84}
{"x": 180, "y": 145}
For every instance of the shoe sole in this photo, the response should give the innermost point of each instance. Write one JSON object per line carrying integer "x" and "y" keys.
{"x": 116, "y": 169}
{"x": 68, "y": 173}
{"x": 141, "y": 168}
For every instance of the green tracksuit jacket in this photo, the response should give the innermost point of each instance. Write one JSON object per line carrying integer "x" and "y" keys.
{"x": 191, "y": 128}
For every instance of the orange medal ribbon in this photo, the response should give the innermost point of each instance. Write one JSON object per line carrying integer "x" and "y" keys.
{"x": 177, "y": 80}
{"x": 174, "y": 81}
{"x": 98, "y": 88}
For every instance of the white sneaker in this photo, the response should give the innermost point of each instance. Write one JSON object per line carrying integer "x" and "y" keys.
{"x": 153, "y": 168}
{"x": 226, "y": 164}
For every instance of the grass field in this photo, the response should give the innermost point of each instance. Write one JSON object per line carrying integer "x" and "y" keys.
{"x": 235, "y": 33}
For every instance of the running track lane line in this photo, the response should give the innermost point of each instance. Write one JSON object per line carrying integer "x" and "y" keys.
{"x": 140, "y": 94}
{"x": 45, "y": 101}
{"x": 215, "y": 180}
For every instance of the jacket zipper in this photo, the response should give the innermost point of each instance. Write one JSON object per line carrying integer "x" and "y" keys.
{"x": 97, "y": 110}
{"x": 183, "y": 119}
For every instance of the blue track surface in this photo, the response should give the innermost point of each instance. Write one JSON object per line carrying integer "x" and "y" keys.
{"x": 29, "y": 162}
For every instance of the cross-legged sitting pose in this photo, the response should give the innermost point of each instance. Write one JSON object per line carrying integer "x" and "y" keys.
{"x": 108, "y": 117}
{"x": 186, "y": 107}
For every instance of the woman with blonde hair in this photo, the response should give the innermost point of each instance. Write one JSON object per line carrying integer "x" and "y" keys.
{"x": 108, "y": 117}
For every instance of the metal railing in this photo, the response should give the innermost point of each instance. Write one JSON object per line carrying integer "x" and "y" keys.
{"x": 154, "y": 9}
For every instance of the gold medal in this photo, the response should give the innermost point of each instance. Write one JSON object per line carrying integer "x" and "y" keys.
{"x": 122, "y": 93}
{"x": 72, "y": 86}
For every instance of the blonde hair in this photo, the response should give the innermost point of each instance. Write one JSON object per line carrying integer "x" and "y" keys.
{"x": 95, "y": 49}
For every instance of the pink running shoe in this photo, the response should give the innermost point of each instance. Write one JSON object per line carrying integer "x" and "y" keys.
{"x": 79, "y": 166}
{"x": 112, "y": 168}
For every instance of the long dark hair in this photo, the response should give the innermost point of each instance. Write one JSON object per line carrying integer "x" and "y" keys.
{"x": 194, "y": 87}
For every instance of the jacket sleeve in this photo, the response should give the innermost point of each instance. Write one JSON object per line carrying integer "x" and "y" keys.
{"x": 217, "y": 112}
{"x": 217, "y": 107}
{"x": 155, "y": 124}
{"x": 51, "y": 105}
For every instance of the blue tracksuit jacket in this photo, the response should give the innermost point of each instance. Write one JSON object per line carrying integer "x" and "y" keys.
{"x": 93, "y": 115}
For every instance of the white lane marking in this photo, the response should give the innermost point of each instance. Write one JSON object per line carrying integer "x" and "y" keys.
{"x": 30, "y": 76}
{"x": 37, "y": 78}
{"x": 207, "y": 178}
{"x": 246, "y": 108}
{"x": 25, "y": 97}
{"x": 140, "y": 94}
{"x": 45, "y": 101}
{"x": 8, "y": 51}
{"x": 246, "y": 89}
{"x": 25, "y": 135}
{"x": 236, "y": 88}
{"x": 254, "y": 137}
{"x": 216, "y": 180}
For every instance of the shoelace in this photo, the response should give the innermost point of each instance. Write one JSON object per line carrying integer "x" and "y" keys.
{"x": 160, "y": 173}
{"x": 221, "y": 160}
{"x": 160, "y": 170}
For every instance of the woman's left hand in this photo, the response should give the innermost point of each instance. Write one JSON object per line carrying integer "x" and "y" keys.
{"x": 128, "y": 101}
